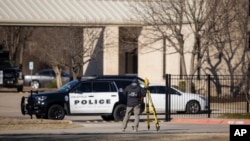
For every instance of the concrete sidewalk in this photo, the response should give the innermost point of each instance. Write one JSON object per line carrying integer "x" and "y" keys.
{"x": 211, "y": 121}
{"x": 115, "y": 128}
{"x": 176, "y": 126}
{"x": 185, "y": 120}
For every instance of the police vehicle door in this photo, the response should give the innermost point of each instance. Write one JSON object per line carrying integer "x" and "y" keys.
{"x": 79, "y": 97}
{"x": 93, "y": 97}
{"x": 105, "y": 95}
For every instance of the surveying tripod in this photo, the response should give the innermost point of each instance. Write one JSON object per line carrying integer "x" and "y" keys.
{"x": 149, "y": 102}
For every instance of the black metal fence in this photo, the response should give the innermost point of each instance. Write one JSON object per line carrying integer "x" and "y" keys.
{"x": 225, "y": 94}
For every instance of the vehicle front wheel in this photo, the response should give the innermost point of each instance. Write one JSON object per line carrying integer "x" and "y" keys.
{"x": 107, "y": 117}
{"x": 41, "y": 117}
{"x": 35, "y": 84}
{"x": 119, "y": 112}
{"x": 56, "y": 112}
{"x": 19, "y": 88}
{"x": 193, "y": 107}
{"x": 23, "y": 109}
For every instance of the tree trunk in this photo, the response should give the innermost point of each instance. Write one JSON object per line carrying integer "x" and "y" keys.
{"x": 57, "y": 71}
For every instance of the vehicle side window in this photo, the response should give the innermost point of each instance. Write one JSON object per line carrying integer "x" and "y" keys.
{"x": 157, "y": 89}
{"x": 152, "y": 89}
{"x": 45, "y": 73}
{"x": 103, "y": 87}
{"x": 122, "y": 84}
{"x": 161, "y": 90}
{"x": 5, "y": 64}
{"x": 64, "y": 73}
{"x": 83, "y": 88}
{"x": 172, "y": 91}
{"x": 52, "y": 73}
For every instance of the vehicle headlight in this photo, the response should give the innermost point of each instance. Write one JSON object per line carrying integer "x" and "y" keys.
{"x": 41, "y": 98}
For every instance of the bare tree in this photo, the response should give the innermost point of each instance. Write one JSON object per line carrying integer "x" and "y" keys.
{"x": 197, "y": 14}
{"x": 167, "y": 18}
{"x": 68, "y": 47}
{"x": 227, "y": 42}
{"x": 215, "y": 26}
{"x": 75, "y": 54}
{"x": 14, "y": 40}
{"x": 170, "y": 18}
{"x": 84, "y": 49}
{"x": 52, "y": 48}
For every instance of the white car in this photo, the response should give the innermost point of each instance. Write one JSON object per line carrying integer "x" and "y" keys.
{"x": 180, "y": 101}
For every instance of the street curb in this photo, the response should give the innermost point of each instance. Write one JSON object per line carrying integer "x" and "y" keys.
{"x": 211, "y": 121}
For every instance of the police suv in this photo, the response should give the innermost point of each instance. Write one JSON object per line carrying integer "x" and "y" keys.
{"x": 97, "y": 96}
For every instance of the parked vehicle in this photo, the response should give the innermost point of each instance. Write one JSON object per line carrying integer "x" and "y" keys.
{"x": 10, "y": 75}
{"x": 89, "y": 96}
{"x": 41, "y": 78}
{"x": 180, "y": 101}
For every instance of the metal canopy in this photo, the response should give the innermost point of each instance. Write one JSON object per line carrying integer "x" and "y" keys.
{"x": 66, "y": 12}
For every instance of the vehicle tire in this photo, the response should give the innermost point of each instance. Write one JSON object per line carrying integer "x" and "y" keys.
{"x": 19, "y": 88}
{"x": 23, "y": 110}
{"x": 193, "y": 107}
{"x": 41, "y": 116}
{"x": 107, "y": 117}
{"x": 56, "y": 112}
{"x": 35, "y": 84}
{"x": 119, "y": 112}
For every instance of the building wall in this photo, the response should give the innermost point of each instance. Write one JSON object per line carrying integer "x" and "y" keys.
{"x": 111, "y": 51}
{"x": 150, "y": 56}
{"x": 110, "y": 61}
{"x": 93, "y": 39}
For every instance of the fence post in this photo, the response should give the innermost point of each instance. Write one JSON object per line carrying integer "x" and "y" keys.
{"x": 208, "y": 94}
{"x": 247, "y": 91}
{"x": 247, "y": 107}
{"x": 167, "y": 106}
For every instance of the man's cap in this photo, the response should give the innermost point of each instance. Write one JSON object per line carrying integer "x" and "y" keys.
{"x": 134, "y": 81}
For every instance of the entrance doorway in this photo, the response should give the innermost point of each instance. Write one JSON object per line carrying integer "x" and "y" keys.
{"x": 128, "y": 49}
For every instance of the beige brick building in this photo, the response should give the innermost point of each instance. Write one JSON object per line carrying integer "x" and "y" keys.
{"x": 123, "y": 53}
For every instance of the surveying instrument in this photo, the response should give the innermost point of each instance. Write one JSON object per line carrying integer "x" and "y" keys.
{"x": 149, "y": 104}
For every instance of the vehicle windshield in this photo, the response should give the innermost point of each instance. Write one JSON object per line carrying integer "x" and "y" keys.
{"x": 67, "y": 87}
{"x": 6, "y": 64}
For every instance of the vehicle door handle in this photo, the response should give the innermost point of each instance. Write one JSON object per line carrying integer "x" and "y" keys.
{"x": 91, "y": 96}
{"x": 113, "y": 95}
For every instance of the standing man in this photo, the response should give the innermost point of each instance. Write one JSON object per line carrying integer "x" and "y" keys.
{"x": 134, "y": 93}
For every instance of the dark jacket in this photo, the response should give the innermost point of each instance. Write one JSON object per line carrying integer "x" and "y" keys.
{"x": 134, "y": 94}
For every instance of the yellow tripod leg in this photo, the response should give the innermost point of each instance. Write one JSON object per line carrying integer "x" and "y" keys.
{"x": 147, "y": 111}
{"x": 154, "y": 112}
{"x": 150, "y": 101}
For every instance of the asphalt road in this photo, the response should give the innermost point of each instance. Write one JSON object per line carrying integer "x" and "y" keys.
{"x": 93, "y": 127}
